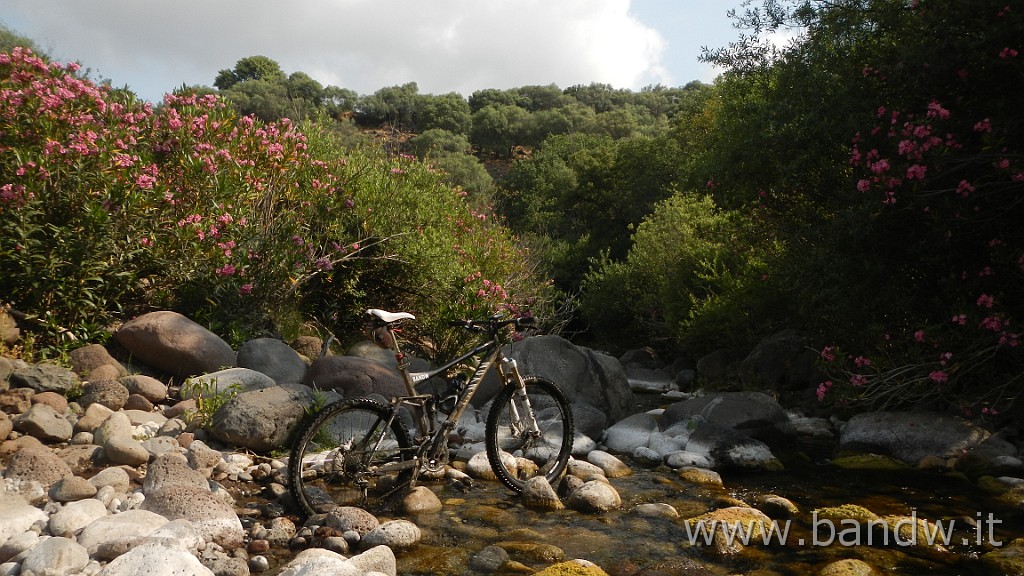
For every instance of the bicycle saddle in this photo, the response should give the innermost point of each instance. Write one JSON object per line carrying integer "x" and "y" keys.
{"x": 389, "y": 317}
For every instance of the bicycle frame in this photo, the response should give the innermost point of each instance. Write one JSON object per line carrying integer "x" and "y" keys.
{"x": 429, "y": 435}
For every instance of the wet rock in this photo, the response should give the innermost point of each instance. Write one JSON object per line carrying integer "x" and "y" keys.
{"x": 609, "y": 464}
{"x": 539, "y": 495}
{"x": 584, "y": 470}
{"x": 684, "y": 459}
{"x": 644, "y": 456}
{"x": 724, "y": 520}
{"x": 595, "y": 496}
{"x": 479, "y": 466}
{"x": 776, "y": 507}
{"x": 697, "y": 475}
{"x": 420, "y": 500}
{"x": 655, "y": 510}
{"x": 849, "y": 567}
{"x": 346, "y": 518}
{"x": 752, "y": 414}
{"x": 395, "y": 534}
{"x": 731, "y": 449}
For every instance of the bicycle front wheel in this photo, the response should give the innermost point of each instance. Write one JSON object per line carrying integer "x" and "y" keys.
{"x": 349, "y": 454}
{"x": 531, "y": 436}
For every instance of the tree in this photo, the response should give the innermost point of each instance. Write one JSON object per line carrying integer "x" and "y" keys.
{"x": 497, "y": 128}
{"x": 250, "y": 68}
{"x": 395, "y": 106}
{"x": 9, "y": 39}
{"x": 448, "y": 112}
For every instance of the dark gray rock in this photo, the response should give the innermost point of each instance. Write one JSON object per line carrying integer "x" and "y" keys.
{"x": 353, "y": 376}
{"x": 751, "y": 413}
{"x": 109, "y": 393}
{"x": 44, "y": 423}
{"x": 274, "y": 358}
{"x": 44, "y": 378}
{"x": 782, "y": 361}
{"x": 910, "y": 436}
{"x": 262, "y": 420}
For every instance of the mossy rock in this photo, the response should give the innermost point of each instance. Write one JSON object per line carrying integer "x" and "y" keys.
{"x": 1006, "y": 560}
{"x": 571, "y": 568}
{"x": 846, "y": 512}
{"x": 869, "y": 462}
{"x": 848, "y": 567}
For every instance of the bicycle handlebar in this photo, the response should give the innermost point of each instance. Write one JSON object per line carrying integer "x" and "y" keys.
{"x": 492, "y": 324}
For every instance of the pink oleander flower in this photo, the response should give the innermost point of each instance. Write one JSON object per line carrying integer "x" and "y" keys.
{"x": 986, "y": 301}
{"x": 919, "y": 336}
{"x": 960, "y": 319}
{"x": 823, "y": 389}
{"x": 938, "y": 376}
{"x": 1007, "y": 53}
{"x": 861, "y": 361}
{"x": 964, "y": 188}
{"x": 858, "y": 380}
{"x": 863, "y": 185}
{"x": 917, "y": 172}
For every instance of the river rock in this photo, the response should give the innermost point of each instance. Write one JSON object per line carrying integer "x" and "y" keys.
{"x": 85, "y": 360}
{"x": 213, "y": 518}
{"x": 731, "y": 449}
{"x": 91, "y": 419}
{"x": 44, "y": 377}
{"x": 6, "y": 426}
{"x": 71, "y": 489}
{"x": 274, "y": 358}
{"x": 609, "y": 464}
{"x": 117, "y": 530}
{"x": 317, "y": 562}
{"x": 116, "y": 477}
{"x": 53, "y": 400}
{"x": 44, "y": 423}
{"x": 353, "y": 376}
{"x": 174, "y": 344}
{"x": 345, "y": 518}
{"x": 420, "y": 500}
{"x": 540, "y": 495}
{"x": 146, "y": 386}
{"x": 227, "y": 382}
{"x": 37, "y": 463}
{"x": 262, "y": 420}
{"x": 125, "y": 450}
{"x": 55, "y": 557}
{"x": 109, "y": 393}
{"x": 393, "y": 534}
{"x": 379, "y": 559}
{"x": 726, "y": 520}
{"x": 16, "y": 515}
{"x": 910, "y": 436}
{"x": 117, "y": 424}
{"x": 630, "y": 433}
{"x": 595, "y": 496}
{"x": 74, "y": 516}
{"x": 752, "y": 414}
{"x": 156, "y": 560}
{"x": 172, "y": 469}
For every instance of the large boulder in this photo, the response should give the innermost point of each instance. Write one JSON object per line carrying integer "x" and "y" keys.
{"x": 352, "y": 376}
{"x": 782, "y": 361}
{"x": 274, "y": 358}
{"x": 910, "y": 436}
{"x": 583, "y": 375}
{"x": 751, "y": 413}
{"x": 174, "y": 344}
{"x": 263, "y": 419}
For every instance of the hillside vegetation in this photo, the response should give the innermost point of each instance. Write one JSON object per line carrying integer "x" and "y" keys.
{"x": 862, "y": 184}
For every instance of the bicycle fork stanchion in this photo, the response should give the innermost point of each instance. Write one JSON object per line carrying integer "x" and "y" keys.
{"x": 510, "y": 372}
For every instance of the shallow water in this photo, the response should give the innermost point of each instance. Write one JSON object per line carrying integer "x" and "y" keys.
{"x": 625, "y": 543}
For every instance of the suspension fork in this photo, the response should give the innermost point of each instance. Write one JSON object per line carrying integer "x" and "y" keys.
{"x": 509, "y": 370}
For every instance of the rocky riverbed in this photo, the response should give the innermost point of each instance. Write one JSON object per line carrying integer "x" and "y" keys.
{"x": 110, "y": 468}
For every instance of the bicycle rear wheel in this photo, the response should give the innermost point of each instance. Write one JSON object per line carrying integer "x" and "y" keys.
{"x": 334, "y": 461}
{"x": 543, "y": 451}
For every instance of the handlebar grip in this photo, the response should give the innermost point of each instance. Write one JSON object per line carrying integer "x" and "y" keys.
{"x": 525, "y": 321}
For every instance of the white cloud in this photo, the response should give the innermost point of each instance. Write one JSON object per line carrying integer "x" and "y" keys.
{"x": 364, "y": 45}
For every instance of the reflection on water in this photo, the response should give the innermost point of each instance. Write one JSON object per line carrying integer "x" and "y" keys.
{"x": 626, "y": 543}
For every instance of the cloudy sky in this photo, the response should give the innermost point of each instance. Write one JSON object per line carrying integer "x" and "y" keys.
{"x": 154, "y": 46}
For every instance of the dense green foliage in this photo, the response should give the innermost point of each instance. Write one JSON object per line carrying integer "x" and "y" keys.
{"x": 111, "y": 207}
{"x": 861, "y": 184}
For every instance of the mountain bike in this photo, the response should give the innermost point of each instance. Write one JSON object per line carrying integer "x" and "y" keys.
{"x": 363, "y": 451}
